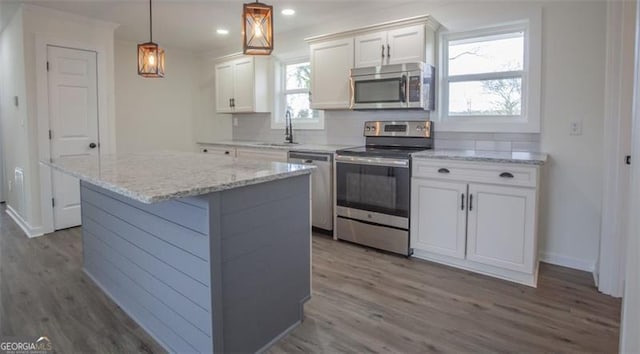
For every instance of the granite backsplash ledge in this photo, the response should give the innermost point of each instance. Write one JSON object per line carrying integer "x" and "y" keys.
{"x": 345, "y": 128}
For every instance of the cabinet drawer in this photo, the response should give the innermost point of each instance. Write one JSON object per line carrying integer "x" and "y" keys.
{"x": 493, "y": 173}
{"x": 262, "y": 154}
{"x": 219, "y": 150}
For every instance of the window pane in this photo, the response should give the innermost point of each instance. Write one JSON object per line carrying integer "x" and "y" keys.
{"x": 486, "y": 98}
{"x": 298, "y": 105}
{"x": 487, "y": 54}
{"x": 298, "y": 76}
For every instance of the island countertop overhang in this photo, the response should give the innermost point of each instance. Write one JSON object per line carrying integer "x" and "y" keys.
{"x": 155, "y": 177}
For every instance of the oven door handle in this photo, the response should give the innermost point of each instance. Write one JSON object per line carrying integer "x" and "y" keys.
{"x": 373, "y": 161}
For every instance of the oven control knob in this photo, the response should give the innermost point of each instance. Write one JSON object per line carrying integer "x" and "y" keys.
{"x": 373, "y": 128}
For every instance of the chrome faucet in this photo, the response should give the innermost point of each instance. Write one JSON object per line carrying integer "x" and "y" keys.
{"x": 289, "y": 127}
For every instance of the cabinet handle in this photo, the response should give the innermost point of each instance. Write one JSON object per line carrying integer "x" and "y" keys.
{"x": 308, "y": 161}
{"x": 205, "y": 150}
{"x": 388, "y": 51}
{"x": 310, "y": 97}
{"x": 470, "y": 202}
{"x": 443, "y": 170}
{"x": 230, "y": 103}
{"x": 506, "y": 175}
{"x": 462, "y": 202}
{"x": 233, "y": 103}
{"x": 226, "y": 152}
{"x": 383, "y": 50}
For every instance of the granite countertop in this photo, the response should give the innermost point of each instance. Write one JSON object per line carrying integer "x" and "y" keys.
{"x": 154, "y": 177}
{"x": 331, "y": 148}
{"x": 526, "y": 158}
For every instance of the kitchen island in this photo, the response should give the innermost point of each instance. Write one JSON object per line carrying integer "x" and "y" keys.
{"x": 207, "y": 254}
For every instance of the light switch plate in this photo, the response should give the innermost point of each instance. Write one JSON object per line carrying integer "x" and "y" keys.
{"x": 575, "y": 128}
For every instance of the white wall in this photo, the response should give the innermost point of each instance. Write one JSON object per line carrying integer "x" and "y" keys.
{"x": 154, "y": 114}
{"x": 20, "y": 124}
{"x": 573, "y": 76}
{"x": 573, "y": 62}
{"x": 14, "y": 119}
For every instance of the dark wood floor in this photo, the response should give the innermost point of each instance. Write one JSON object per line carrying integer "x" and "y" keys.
{"x": 363, "y": 301}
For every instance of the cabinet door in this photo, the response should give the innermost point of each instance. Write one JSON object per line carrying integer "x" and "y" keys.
{"x": 262, "y": 154}
{"x": 224, "y": 87}
{"x": 331, "y": 63}
{"x": 438, "y": 217}
{"x": 244, "y": 85}
{"x": 501, "y": 226}
{"x": 406, "y": 45}
{"x": 371, "y": 49}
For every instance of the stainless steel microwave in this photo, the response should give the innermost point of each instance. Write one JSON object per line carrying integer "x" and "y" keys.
{"x": 395, "y": 86}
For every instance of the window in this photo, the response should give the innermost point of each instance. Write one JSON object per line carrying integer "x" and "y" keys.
{"x": 294, "y": 98}
{"x": 489, "y": 80}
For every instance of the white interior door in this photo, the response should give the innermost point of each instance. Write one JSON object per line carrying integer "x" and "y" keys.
{"x": 73, "y": 115}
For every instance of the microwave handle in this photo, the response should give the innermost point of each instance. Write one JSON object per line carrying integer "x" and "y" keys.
{"x": 403, "y": 88}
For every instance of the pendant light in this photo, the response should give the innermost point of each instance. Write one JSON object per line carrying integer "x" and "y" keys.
{"x": 257, "y": 29}
{"x": 150, "y": 55}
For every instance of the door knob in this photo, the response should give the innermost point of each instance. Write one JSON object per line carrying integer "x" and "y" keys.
{"x": 93, "y": 146}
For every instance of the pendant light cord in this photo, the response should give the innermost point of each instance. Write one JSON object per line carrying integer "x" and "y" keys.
{"x": 150, "y": 23}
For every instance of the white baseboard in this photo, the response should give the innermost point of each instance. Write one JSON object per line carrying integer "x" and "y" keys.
{"x": 569, "y": 262}
{"x": 24, "y": 225}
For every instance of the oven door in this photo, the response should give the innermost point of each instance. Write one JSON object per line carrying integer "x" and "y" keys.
{"x": 379, "y": 91}
{"x": 374, "y": 190}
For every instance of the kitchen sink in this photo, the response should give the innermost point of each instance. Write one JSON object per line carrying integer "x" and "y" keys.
{"x": 278, "y": 144}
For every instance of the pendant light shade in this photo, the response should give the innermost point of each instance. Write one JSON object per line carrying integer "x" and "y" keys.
{"x": 257, "y": 29}
{"x": 150, "y": 55}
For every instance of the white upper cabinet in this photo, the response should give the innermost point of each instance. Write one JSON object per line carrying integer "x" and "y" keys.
{"x": 242, "y": 85}
{"x": 396, "y": 46}
{"x": 406, "y": 45}
{"x": 224, "y": 87}
{"x": 331, "y": 62}
{"x": 334, "y": 55}
{"x": 371, "y": 49}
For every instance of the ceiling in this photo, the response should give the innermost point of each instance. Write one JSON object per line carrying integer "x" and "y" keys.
{"x": 192, "y": 24}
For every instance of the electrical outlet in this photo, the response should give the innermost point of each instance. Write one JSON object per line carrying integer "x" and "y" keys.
{"x": 575, "y": 128}
{"x": 235, "y": 121}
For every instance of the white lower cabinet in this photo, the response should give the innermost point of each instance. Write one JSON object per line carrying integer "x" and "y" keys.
{"x": 225, "y": 151}
{"x": 440, "y": 223}
{"x": 462, "y": 220}
{"x": 262, "y": 154}
{"x": 499, "y": 227}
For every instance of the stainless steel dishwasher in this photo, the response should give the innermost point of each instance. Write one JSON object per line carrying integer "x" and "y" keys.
{"x": 321, "y": 186}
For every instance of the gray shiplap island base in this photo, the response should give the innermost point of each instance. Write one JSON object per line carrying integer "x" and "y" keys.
{"x": 223, "y": 271}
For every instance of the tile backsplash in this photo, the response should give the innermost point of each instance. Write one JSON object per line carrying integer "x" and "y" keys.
{"x": 345, "y": 127}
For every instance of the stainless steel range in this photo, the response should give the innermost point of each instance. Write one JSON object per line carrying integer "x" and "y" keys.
{"x": 373, "y": 184}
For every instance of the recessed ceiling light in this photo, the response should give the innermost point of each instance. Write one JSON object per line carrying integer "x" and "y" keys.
{"x": 222, "y": 31}
{"x": 288, "y": 12}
